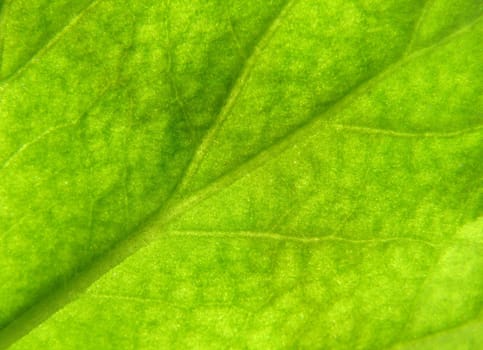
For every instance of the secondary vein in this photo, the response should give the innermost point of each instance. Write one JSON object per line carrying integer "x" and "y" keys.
{"x": 237, "y": 88}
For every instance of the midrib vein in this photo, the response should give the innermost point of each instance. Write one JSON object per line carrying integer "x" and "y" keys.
{"x": 141, "y": 237}
{"x": 148, "y": 232}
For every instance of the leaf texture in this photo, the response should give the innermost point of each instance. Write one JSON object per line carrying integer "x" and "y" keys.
{"x": 288, "y": 174}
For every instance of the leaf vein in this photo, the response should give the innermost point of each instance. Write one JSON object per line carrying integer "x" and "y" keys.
{"x": 3, "y": 14}
{"x": 302, "y": 132}
{"x": 50, "y": 131}
{"x": 150, "y": 230}
{"x": 299, "y": 239}
{"x": 405, "y": 134}
{"x": 422, "y": 16}
{"x": 36, "y": 140}
{"x": 50, "y": 43}
{"x": 234, "y": 93}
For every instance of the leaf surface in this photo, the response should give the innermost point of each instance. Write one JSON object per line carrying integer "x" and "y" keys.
{"x": 213, "y": 174}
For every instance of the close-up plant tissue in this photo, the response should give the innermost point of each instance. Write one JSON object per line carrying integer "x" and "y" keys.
{"x": 241, "y": 174}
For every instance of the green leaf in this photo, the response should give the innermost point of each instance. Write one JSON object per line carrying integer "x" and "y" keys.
{"x": 241, "y": 174}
